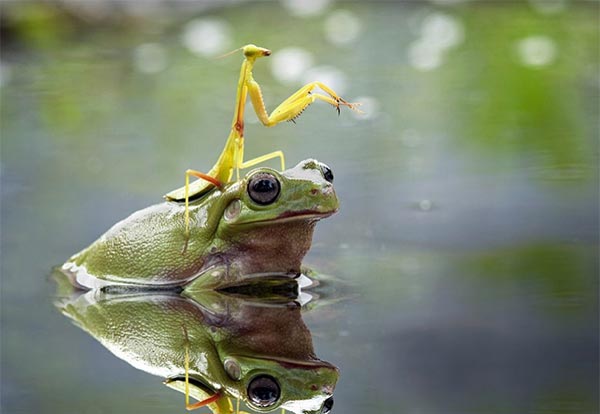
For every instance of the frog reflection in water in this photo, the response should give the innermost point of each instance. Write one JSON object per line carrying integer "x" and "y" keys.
{"x": 229, "y": 348}
{"x": 262, "y": 223}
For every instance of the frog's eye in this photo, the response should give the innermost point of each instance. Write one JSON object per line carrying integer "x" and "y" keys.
{"x": 264, "y": 391}
{"x": 327, "y": 173}
{"x": 263, "y": 188}
{"x": 327, "y": 405}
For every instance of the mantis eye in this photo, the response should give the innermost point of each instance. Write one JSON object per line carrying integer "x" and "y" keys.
{"x": 264, "y": 391}
{"x": 327, "y": 173}
{"x": 327, "y": 405}
{"x": 263, "y": 188}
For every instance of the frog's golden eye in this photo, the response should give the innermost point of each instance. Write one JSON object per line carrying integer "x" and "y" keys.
{"x": 327, "y": 173}
{"x": 263, "y": 390}
{"x": 263, "y": 188}
{"x": 327, "y": 405}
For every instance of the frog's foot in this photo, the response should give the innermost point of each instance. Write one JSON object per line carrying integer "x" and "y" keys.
{"x": 79, "y": 276}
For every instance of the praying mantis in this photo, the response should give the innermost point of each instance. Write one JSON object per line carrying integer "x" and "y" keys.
{"x": 232, "y": 156}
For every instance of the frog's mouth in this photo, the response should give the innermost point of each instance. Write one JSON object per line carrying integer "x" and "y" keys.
{"x": 289, "y": 362}
{"x": 308, "y": 215}
{"x": 304, "y": 214}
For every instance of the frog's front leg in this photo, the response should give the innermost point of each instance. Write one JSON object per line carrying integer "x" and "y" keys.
{"x": 292, "y": 107}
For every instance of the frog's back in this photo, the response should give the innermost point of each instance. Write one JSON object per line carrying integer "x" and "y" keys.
{"x": 146, "y": 248}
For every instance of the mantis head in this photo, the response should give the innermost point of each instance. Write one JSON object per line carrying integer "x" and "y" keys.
{"x": 253, "y": 51}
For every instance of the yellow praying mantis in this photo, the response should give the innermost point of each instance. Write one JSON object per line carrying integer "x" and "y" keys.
{"x": 232, "y": 156}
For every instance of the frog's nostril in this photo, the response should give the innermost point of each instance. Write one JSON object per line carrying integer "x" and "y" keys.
{"x": 314, "y": 191}
{"x": 327, "y": 190}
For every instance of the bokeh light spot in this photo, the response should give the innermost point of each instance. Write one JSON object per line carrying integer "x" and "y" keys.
{"x": 442, "y": 31}
{"x": 289, "y": 64}
{"x": 342, "y": 27}
{"x": 423, "y": 56}
{"x": 425, "y": 205}
{"x": 369, "y": 107}
{"x": 439, "y": 33}
{"x": 537, "y": 51}
{"x": 207, "y": 37}
{"x": 305, "y": 8}
{"x": 548, "y": 6}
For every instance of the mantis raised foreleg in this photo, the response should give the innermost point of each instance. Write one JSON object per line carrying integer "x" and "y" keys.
{"x": 232, "y": 156}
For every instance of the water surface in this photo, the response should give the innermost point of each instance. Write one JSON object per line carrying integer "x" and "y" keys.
{"x": 468, "y": 228}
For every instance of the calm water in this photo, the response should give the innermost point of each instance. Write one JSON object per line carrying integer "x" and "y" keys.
{"x": 467, "y": 237}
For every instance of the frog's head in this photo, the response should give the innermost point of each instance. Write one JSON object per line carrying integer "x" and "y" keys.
{"x": 266, "y": 384}
{"x": 270, "y": 383}
{"x": 269, "y": 216}
{"x": 304, "y": 192}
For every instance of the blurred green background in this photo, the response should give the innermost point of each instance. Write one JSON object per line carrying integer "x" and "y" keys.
{"x": 469, "y": 188}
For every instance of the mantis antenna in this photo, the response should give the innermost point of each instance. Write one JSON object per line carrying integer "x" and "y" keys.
{"x": 229, "y": 53}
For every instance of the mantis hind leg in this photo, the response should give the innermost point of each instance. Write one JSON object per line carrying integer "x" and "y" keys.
{"x": 263, "y": 158}
{"x": 254, "y": 161}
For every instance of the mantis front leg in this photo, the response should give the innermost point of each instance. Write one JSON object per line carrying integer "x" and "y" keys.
{"x": 292, "y": 107}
